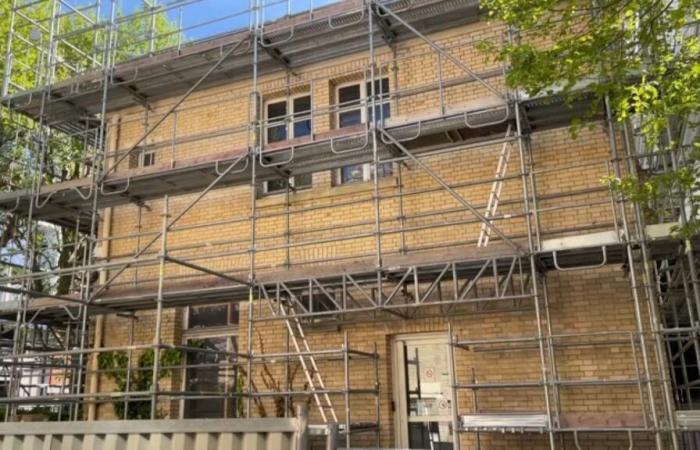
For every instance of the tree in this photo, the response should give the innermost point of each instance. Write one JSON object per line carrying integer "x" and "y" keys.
{"x": 81, "y": 48}
{"x": 642, "y": 56}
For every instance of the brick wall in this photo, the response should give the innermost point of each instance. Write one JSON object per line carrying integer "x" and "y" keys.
{"x": 216, "y": 232}
{"x": 336, "y": 224}
{"x": 589, "y": 301}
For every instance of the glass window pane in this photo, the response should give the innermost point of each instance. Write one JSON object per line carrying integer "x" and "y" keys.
{"x": 302, "y": 122}
{"x": 350, "y": 174}
{"x": 278, "y": 109}
{"x": 209, "y": 373}
{"x": 302, "y": 104}
{"x": 276, "y": 130}
{"x": 303, "y": 181}
{"x": 302, "y": 128}
{"x": 277, "y": 133}
{"x": 149, "y": 158}
{"x": 384, "y": 169}
{"x": 381, "y": 88}
{"x": 234, "y": 314}
{"x": 383, "y": 112}
{"x": 208, "y": 316}
{"x": 276, "y": 185}
{"x": 384, "y": 86}
{"x": 350, "y": 118}
{"x": 349, "y": 94}
{"x": 386, "y": 111}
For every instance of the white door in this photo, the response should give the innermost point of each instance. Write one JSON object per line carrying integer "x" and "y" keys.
{"x": 422, "y": 392}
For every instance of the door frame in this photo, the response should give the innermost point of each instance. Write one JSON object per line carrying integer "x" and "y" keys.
{"x": 399, "y": 379}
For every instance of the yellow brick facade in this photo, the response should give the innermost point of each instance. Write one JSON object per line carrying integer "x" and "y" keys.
{"x": 571, "y": 200}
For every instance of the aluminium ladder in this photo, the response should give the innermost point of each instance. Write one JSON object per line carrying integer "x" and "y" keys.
{"x": 308, "y": 364}
{"x": 495, "y": 194}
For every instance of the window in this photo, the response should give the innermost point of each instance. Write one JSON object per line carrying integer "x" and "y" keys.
{"x": 351, "y": 112}
{"x": 213, "y": 328}
{"x": 279, "y": 185}
{"x": 351, "y": 97}
{"x": 148, "y": 158}
{"x": 210, "y": 373}
{"x": 361, "y": 172}
{"x": 212, "y": 316}
{"x": 288, "y": 118}
{"x": 143, "y": 158}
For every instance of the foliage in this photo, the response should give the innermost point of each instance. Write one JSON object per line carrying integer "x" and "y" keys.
{"x": 275, "y": 385}
{"x": 25, "y": 145}
{"x": 47, "y": 413}
{"x": 115, "y": 366}
{"x": 652, "y": 193}
{"x": 642, "y": 55}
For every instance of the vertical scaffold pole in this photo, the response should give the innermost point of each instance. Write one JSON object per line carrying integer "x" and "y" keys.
{"x": 372, "y": 112}
{"x": 159, "y": 310}
{"x": 98, "y": 162}
{"x": 634, "y": 285}
{"x": 534, "y": 277}
{"x": 253, "y": 148}
{"x": 7, "y": 76}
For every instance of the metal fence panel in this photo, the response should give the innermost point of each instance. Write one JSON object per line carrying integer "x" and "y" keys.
{"x": 191, "y": 434}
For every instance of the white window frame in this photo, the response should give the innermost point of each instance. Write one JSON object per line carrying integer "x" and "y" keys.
{"x": 366, "y": 168}
{"x": 289, "y": 124}
{"x": 366, "y": 175}
{"x": 142, "y": 158}
{"x": 266, "y": 188}
{"x": 362, "y": 106}
{"x": 363, "y": 97}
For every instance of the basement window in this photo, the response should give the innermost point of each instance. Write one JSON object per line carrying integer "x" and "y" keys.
{"x": 361, "y": 172}
{"x": 287, "y": 118}
{"x": 279, "y": 185}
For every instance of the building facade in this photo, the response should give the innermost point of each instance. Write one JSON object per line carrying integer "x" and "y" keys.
{"x": 372, "y": 223}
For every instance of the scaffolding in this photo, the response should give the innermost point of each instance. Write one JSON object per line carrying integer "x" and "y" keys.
{"x": 502, "y": 266}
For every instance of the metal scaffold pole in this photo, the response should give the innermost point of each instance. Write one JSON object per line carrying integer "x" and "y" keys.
{"x": 159, "y": 310}
{"x": 635, "y": 287}
{"x": 542, "y": 338}
{"x": 438, "y": 238}
{"x": 35, "y": 172}
{"x": 99, "y": 162}
{"x": 254, "y": 143}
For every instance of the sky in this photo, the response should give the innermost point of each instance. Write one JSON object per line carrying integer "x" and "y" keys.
{"x": 196, "y": 12}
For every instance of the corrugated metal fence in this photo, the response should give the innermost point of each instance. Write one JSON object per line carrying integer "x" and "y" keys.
{"x": 190, "y": 434}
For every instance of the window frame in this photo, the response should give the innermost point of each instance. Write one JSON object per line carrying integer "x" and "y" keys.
{"x": 292, "y": 185}
{"x": 147, "y": 154}
{"x": 363, "y": 104}
{"x": 366, "y": 174}
{"x": 364, "y": 110}
{"x": 289, "y": 119}
{"x": 230, "y": 332}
